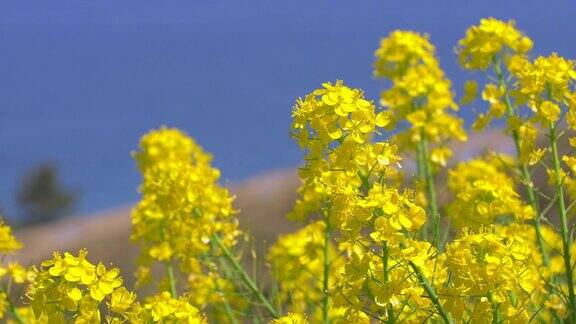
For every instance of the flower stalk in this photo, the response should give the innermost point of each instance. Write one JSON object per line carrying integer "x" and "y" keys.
{"x": 525, "y": 176}
{"x": 326, "y": 274}
{"x": 566, "y": 237}
{"x": 245, "y": 277}
{"x": 171, "y": 280}
{"x": 426, "y": 170}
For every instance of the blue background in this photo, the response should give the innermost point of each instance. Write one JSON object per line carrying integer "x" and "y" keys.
{"x": 81, "y": 81}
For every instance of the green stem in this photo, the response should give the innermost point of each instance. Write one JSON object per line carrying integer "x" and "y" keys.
{"x": 326, "y": 284}
{"x": 171, "y": 280}
{"x": 430, "y": 188}
{"x": 432, "y": 294}
{"x": 389, "y": 308}
{"x": 495, "y": 311}
{"x": 523, "y": 168}
{"x": 245, "y": 277}
{"x": 566, "y": 241}
{"x": 15, "y": 314}
{"x": 227, "y": 307}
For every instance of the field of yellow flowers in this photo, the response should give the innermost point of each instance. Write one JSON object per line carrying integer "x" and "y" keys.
{"x": 376, "y": 245}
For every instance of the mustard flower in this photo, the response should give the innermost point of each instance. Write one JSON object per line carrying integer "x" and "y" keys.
{"x": 483, "y": 193}
{"x": 163, "y": 308}
{"x": 168, "y": 144}
{"x": 297, "y": 261}
{"x": 71, "y": 286}
{"x": 490, "y": 38}
{"x": 488, "y": 267}
{"x": 291, "y": 318}
{"x": 546, "y": 78}
{"x": 420, "y": 96}
{"x": 181, "y": 198}
{"x": 8, "y": 242}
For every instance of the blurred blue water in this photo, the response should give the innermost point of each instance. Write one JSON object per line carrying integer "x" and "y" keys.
{"x": 81, "y": 80}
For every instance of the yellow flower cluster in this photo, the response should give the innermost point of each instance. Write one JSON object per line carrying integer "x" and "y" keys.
{"x": 384, "y": 284}
{"x": 162, "y": 308}
{"x": 420, "y": 94}
{"x": 489, "y": 45}
{"x": 168, "y": 144}
{"x": 296, "y": 261}
{"x": 546, "y": 78}
{"x": 484, "y": 194}
{"x": 333, "y": 125}
{"x": 488, "y": 268}
{"x": 71, "y": 287}
{"x": 491, "y": 37}
{"x": 8, "y": 242}
{"x": 11, "y": 273}
{"x": 182, "y": 205}
{"x": 291, "y": 318}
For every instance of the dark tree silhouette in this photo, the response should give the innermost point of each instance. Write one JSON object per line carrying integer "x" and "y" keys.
{"x": 42, "y": 197}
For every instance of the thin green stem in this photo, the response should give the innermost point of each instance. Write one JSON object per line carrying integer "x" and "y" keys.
{"x": 430, "y": 187}
{"x": 566, "y": 241}
{"x": 12, "y": 309}
{"x": 432, "y": 294}
{"x": 227, "y": 307}
{"x": 171, "y": 280}
{"x": 495, "y": 311}
{"x": 389, "y": 309}
{"x": 246, "y": 278}
{"x": 326, "y": 283}
{"x": 523, "y": 168}
{"x": 15, "y": 314}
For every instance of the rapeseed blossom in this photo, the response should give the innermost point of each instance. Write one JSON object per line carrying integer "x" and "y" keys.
{"x": 180, "y": 198}
{"x": 420, "y": 94}
{"x": 377, "y": 244}
{"x": 72, "y": 287}
{"x": 491, "y": 37}
{"x": 484, "y": 194}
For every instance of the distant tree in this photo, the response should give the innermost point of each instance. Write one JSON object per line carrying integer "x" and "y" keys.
{"x": 42, "y": 197}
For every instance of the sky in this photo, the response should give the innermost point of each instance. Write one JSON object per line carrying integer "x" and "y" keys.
{"x": 81, "y": 81}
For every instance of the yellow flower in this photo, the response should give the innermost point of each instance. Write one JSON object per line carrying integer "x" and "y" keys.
{"x": 3, "y": 304}
{"x": 440, "y": 155}
{"x": 18, "y": 273}
{"x": 491, "y": 93}
{"x": 399, "y": 49}
{"x": 121, "y": 299}
{"x": 181, "y": 197}
{"x": 161, "y": 252}
{"x": 74, "y": 269}
{"x": 546, "y": 78}
{"x": 483, "y": 193}
{"x": 549, "y": 111}
{"x": 470, "y": 92}
{"x": 8, "y": 242}
{"x": 491, "y": 37}
{"x": 168, "y": 144}
{"x": 291, "y": 318}
{"x": 72, "y": 287}
{"x": 570, "y": 162}
{"x": 419, "y": 93}
{"x": 296, "y": 258}
{"x": 486, "y": 265}
{"x": 106, "y": 283}
{"x": 164, "y": 308}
